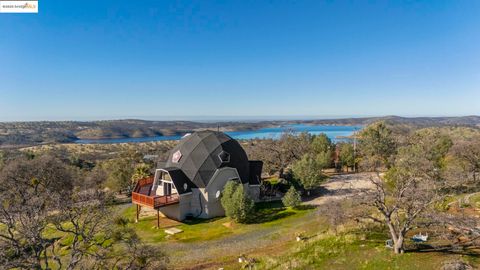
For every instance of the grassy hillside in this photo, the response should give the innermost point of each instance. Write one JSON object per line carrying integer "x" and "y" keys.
{"x": 270, "y": 243}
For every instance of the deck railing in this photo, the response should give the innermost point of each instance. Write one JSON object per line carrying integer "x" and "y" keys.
{"x": 166, "y": 200}
{"x": 152, "y": 201}
{"x": 143, "y": 182}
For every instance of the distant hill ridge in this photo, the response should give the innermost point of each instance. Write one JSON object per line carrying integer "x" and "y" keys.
{"x": 41, "y": 132}
{"x": 471, "y": 120}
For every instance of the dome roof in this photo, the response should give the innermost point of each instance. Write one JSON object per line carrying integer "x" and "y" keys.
{"x": 200, "y": 154}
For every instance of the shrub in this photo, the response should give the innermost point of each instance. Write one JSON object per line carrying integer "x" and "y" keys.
{"x": 238, "y": 206}
{"x": 292, "y": 198}
{"x": 308, "y": 171}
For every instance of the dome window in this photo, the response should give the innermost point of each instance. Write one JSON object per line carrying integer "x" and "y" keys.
{"x": 176, "y": 156}
{"x": 224, "y": 157}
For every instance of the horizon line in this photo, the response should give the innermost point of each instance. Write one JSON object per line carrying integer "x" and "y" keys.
{"x": 212, "y": 118}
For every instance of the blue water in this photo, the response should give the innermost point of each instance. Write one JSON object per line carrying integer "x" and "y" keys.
{"x": 335, "y": 133}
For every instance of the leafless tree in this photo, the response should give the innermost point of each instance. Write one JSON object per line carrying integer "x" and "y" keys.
{"x": 30, "y": 190}
{"x": 406, "y": 192}
{"x": 135, "y": 254}
{"x": 278, "y": 154}
{"x": 45, "y": 223}
{"x": 468, "y": 154}
{"x": 335, "y": 213}
{"x": 86, "y": 219}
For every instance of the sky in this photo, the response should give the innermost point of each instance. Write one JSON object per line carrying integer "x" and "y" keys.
{"x": 92, "y": 60}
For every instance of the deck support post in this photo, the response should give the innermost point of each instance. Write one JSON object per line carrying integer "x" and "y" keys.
{"x": 138, "y": 207}
{"x": 158, "y": 219}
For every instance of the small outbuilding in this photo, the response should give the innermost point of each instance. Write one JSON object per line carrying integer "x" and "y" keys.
{"x": 191, "y": 181}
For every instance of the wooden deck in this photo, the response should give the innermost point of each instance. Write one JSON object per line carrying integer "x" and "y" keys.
{"x": 141, "y": 195}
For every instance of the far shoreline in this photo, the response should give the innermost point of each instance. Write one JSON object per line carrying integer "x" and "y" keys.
{"x": 24, "y": 134}
{"x": 271, "y": 131}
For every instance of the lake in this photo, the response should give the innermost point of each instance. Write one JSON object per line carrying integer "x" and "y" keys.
{"x": 335, "y": 133}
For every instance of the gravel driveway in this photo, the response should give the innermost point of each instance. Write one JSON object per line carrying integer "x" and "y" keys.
{"x": 342, "y": 186}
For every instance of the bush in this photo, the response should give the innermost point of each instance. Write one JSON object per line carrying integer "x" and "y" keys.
{"x": 292, "y": 198}
{"x": 308, "y": 171}
{"x": 238, "y": 206}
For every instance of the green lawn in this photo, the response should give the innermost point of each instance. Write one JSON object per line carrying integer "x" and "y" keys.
{"x": 267, "y": 215}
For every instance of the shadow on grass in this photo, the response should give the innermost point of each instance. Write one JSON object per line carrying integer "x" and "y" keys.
{"x": 196, "y": 221}
{"x": 305, "y": 207}
{"x": 379, "y": 234}
{"x": 446, "y": 249}
{"x": 271, "y": 211}
{"x": 264, "y": 212}
{"x": 269, "y": 215}
{"x": 269, "y": 205}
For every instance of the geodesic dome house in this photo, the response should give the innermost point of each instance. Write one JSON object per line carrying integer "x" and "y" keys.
{"x": 191, "y": 181}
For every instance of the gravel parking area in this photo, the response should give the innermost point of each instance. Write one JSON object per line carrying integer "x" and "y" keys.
{"x": 342, "y": 186}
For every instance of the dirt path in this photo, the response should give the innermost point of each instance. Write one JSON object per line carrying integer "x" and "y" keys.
{"x": 342, "y": 186}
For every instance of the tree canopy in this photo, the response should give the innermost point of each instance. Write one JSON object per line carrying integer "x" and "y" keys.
{"x": 308, "y": 171}
{"x": 238, "y": 206}
{"x": 292, "y": 198}
{"x": 377, "y": 146}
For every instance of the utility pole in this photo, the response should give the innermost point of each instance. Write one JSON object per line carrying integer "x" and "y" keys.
{"x": 354, "y": 150}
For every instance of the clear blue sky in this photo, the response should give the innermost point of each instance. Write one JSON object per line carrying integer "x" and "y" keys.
{"x": 179, "y": 59}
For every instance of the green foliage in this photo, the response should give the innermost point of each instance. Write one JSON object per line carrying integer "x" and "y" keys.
{"x": 321, "y": 147}
{"x": 390, "y": 177}
{"x": 119, "y": 173}
{"x": 324, "y": 159}
{"x": 137, "y": 255}
{"x": 141, "y": 171}
{"x": 378, "y": 145}
{"x": 80, "y": 163}
{"x": 292, "y": 198}
{"x": 2, "y": 159}
{"x": 308, "y": 171}
{"x": 347, "y": 156}
{"x": 321, "y": 143}
{"x": 279, "y": 155}
{"x": 29, "y": 154}
{"x": 236, "y": 203}
{"x": 412, "y": 185}
{"x": 425, "y": 155}
{"x": 434, "y": 144}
